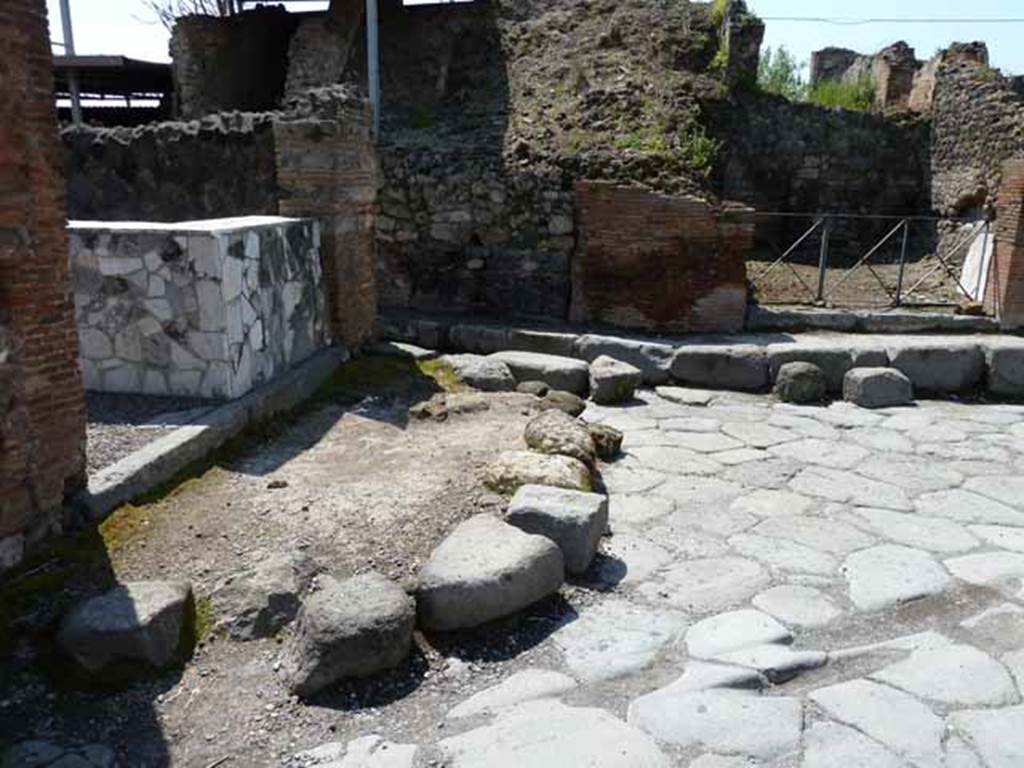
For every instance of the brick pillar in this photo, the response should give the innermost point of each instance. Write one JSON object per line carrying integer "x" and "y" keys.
{"x": 327, "y": 168}
{"x": 1005, "y": 297}
{"x": 42, "y": 403}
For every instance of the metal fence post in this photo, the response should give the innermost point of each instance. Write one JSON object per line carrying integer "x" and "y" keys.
{"x": 903, "y": 264}
{"x": 823, "y": 258}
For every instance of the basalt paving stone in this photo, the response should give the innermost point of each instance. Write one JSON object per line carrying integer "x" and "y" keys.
{"x": 707, "y": 584}
{"x": 842, "y": 486}
{"x": 798, "y": 605}
{"x": 772, "y": 503}
{"x": 686, "y": 541}
{"x": 826, "y": 453}
{"x": 817, "y": 533}
{"x": 699, "y": 494}
{"x": 999, "y": 626}
{"x": 970, "y": 451}
{"x": 990, "y": 569}
{"x": 783, "y": 555}
{"x": 881, "y": 439}
{"x": 674, "y": 461}
{"x": 997, "y": 735}
{"x": 630, "y": 559}
{"x": 528, "y": 685}
{"x": 622, "y": 479}
{"x": 1007, "y": 489}
{"x": 740, "y": 456}
{"x": 773, "y": 473}
{"x": 830, "y": 745}
{"x": 966, "y": 507}
{"x": 691, "y": 424}
{"x": 1001, "y": 536}
{"x": 932, "y": 533}
{"x": 636, "y": 509}
{"x": 915, "y": 474}
{"x": 955, "y": 674}
{"x": 733, "y": 631}
{"x": 758, "y": 435}
{"x": 890, "y": 574}
{"x": 804, "y": 426}
{"x": 705, "y": 442}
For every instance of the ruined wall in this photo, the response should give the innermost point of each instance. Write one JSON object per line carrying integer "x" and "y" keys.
{"x": 1005, "y": 298}
{"x": 977, "y": 125}
{"x": 322, "y": 45}
{"x": 658, "y": 263}
{"x": 221, "y": 165}
{"x": 42, "y": 422}
{"x": 231, "y": 63}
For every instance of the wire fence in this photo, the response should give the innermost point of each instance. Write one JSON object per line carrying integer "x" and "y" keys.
{"x": 868, "y": 261}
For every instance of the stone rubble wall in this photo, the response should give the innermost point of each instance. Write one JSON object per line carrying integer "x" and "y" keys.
{"x": 198, "y": 313}
{"x": 977, "y": 125}
{"x": 42, "y": 405}
{"x": 321, "y": 46}
{"x": 658, "y": 263}
{"x": 473, "y": 233}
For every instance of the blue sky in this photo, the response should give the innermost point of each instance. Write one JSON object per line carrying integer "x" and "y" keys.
{"x": 125, "y": 27}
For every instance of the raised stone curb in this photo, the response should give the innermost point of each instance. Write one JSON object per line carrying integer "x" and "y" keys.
{"x": 159, "y": 461}
{"x": 574, "y": 520}
{"x": 654, "y": 359}
{"x": 484, "y": 570}
{"x": 877, "y": 387}
{"x": 742, "y": 367}
{"x": 939, "y": 367}
{"x": 565, "y": 373}
{"x": 480, "y": 372}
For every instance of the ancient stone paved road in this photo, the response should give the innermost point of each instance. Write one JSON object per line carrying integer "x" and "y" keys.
{"x": 786, "y": 586}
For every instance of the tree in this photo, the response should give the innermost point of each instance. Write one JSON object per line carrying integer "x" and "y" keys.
{"x": 779, "y": 72}
{"x": 169, "y": 10}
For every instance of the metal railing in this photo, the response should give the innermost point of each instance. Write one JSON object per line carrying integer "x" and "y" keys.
{"x": 901, "y": 253}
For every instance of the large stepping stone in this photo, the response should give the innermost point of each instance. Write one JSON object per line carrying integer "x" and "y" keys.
{"x": 514, "y": 469}
{"x": 574, "y": 520}
{"x": 739, "y": 367}
{"x": 613, "y": 381}
{"x": 953, "y": 674}
{"x": 260, "y": 600}
{"x": 528, "y": 685}
{"x": 560, "y": 373}
{"x": 890, "y": 574}
{"x": 548, "y": 734}
{"x": 896, "y": 719}
{"x": 877, "y": 388}
{"x": 998, "y": 735}
{"x": 732, "y": 631}
{"x": 800, "y": 382}
{"x": 558, "y": 433}
{"x": 617, "y": 638}
{"x": 145, "y": 622}
{"x": 484, "y": 570}
{"x": 351, "y": 628}
{"x": 481, "y": 372}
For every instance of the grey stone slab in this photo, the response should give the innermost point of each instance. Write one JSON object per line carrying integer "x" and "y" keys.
{"x": 636, "y": 509}
{"x": 998, "y": 735}
{"x": 825, "y": 453}
{"x": 954, "y": 674}
{"x": 896, "y": 719}
{"x": 616, "y": 638}
{"x": 480, "y": 372}
{"x": 847, "y": 416}
{"x": 880, "y": 439}
{"x": 483, "y": 570}
{"x": 890, "y": 574}
{"x": 877, "y": 387}
{"x": 740, "y": 456}
{"x": 623, "y": 479}
{"x": 931, "y": 533}
{"x": 653, "y": 359}
{"x": 707, "y": 584}
{"x": 798, "y": 605}
{"x": 830, "y": 745}
{"x": 1000, "y": 626}
{"x": 772, "y": 503}
{"x": 838, "y": 485}
{"x": 1005, "y": 369}
{"x": 705, "y": 442}
{"x": 562, "y": 373}
{"x": 722, "y": 720}
{"x": 685, "y": 540}
{"x": 1001, "y": 536}
{"x": 804, "y": 425}
{"x": 772, "y": 473}
{"x": 700, "y": 495}
{"x": 527, "y": 685}
{"x": 546, "y": 342}
{"x": 732, "y": 631}
{"x": 818, "y": 533}
{"x": 783, "y": 555}
{"x": 939, "y": 367}
{"x": 758, "y": 435}
{"x": 995, "y": 569}
{"x": 738, "y": 367}
{"x": 1009, "y": 489}
{"x": 548, "y": 734}
{"x": 573, "y": 520}
{"x": 674, "y": 461}
{"x": 916, "y": 474}
{"x": 966, "y": 507}
{"x": 481, "y": 339}
{"x": 631, "y": 559}
{"x": 691, "y": 424}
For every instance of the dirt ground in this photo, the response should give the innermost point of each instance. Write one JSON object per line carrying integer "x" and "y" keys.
{"x": 365, "y": 487}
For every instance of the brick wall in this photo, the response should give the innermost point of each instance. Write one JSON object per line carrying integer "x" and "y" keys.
{"x": 327, "y": 168}
{"x": 42, "y": 423}
{"x": 1005, "y": 297}
{"x": 657, "y": 263}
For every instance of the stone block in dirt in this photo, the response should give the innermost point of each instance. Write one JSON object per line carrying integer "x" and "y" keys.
{"x": 800, "y": 382}
{"x": 142, "y": 622}
{"x": 652, "y": 358}
{"x": 484, "y": 570}
{"x": 555, "y": 432}
{"x": 483, "y": 373}
{"x": 351, "y": 628}
{"x": 574, "y": 520}
{"x": 513, "y": 469}
{"x": 739, "y": 367}
{"x": 566, "y": 402}
{"x": 939, "y": 368}
{"x": 557, "y": 372}
{"x": 613, "y": 381}
{"x": 607, "y": 440}
{"x": 260, "y": 600}
{"x": 877, "y": 387}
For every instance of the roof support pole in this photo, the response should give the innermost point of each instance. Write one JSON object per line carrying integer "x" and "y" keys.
{"x": 69, "y": 50}
{"x": 373, "y": 63}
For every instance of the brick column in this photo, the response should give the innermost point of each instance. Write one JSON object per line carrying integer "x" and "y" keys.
{"x": 327, "y": 168}
{"x": 42, "y": 404}
{"x": 1005, "y": 297}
